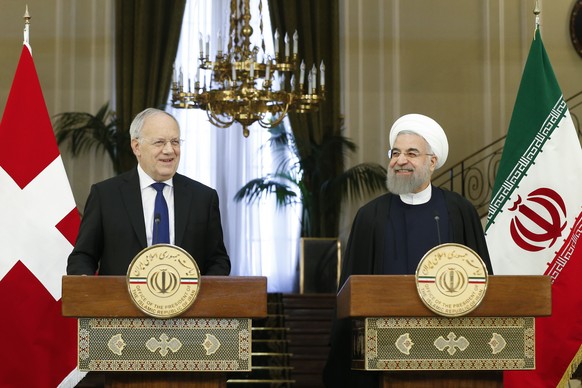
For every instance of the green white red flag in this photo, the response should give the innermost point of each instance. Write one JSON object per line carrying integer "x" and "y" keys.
{"x": 534, "y": 220}
{"x": 38, "y": 227}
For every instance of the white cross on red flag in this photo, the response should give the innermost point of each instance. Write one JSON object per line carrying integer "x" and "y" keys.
{"x": 38, "y": 227}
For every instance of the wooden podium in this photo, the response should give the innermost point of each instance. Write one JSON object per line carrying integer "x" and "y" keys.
{"x": 196, "y": 349}
{"x": 395, "y": 334}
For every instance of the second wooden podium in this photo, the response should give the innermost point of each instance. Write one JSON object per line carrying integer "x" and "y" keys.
{"x": 396, "y": 335}
{"x": 196, "y": 349}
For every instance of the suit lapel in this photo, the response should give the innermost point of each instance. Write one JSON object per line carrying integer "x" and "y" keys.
{"x": 182, "y": 201}
{"x": 131, "y": 194}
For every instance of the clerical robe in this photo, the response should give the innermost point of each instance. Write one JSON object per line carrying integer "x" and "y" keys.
{"x": 390, "y": 237}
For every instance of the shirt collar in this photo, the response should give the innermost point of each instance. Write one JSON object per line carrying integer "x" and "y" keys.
{"x": 145, "y": 180}
{"x": 417, "y": 198}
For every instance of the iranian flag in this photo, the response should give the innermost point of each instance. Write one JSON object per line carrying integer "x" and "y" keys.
{"x": 38, "y": 226}
{"x": 534, "y": 220}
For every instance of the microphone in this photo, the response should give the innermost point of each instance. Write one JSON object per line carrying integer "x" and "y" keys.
{"x": 157, "y": 220}
{"x": 437, "y": 219}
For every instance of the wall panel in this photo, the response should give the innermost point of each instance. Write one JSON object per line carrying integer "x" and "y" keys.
{"x": 458, "y": 61}
{"x": 72, "y": 47}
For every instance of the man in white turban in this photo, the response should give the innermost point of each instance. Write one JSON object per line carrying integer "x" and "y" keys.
{"x": 426, "y": 127}
{"x": 392, "y": 233}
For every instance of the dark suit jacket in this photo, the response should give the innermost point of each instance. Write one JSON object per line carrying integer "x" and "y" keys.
{"x": 113, "y": 232}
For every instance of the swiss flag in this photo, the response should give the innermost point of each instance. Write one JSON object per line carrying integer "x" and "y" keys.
{"x": 38, "y": 226}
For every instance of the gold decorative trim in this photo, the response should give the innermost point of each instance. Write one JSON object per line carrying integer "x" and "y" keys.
{"x": 404, "y": 343}
{"x": 497, "y": 343}
{"x": 451, "y": 344}
{"x": 163, "y": 345}
{"x": 211, "y": 344}
{"x": 564, "y": 381}
{"x": 175, "y": 344}
{"x": 439, "y": 343}
{"x": 116, "y": 344}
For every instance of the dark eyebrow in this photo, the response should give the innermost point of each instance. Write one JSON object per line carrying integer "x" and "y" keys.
{"x": 407, "y": 150}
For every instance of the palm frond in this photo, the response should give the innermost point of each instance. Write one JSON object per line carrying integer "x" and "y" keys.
{"x": 283, "y": 150}
{"x": 306, "y": 172}
{"x": 358, "y": 181}
{"x": 77, "y": 129}
{"x": 279, "y": 184}
{"x": 82, "y": 132}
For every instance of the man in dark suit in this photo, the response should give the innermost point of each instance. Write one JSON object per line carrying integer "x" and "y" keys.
{"x": 119, "y": 218}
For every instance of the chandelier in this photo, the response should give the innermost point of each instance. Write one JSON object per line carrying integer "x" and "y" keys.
{"x": 239, "y": 86}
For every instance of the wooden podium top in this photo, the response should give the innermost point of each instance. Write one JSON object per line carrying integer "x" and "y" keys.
{"x": 396, "y": 296}
{"x": 218, "y": 297}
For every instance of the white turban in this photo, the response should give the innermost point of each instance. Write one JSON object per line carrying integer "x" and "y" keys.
{"x": 426, "y": 127}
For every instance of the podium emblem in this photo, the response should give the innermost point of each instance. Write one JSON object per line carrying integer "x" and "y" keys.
{"x": 451, "y": 280}
{"x": 163, "y": 280}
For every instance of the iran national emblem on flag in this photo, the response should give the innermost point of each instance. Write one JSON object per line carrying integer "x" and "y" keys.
{"x": 38, "y": 227}
{"x": 534, "y": 221}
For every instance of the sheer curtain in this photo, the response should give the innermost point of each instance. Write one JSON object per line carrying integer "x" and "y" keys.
{"x": 261, "y": 239}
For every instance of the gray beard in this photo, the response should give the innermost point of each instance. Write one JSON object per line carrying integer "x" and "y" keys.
{"x": 407, "y": 184}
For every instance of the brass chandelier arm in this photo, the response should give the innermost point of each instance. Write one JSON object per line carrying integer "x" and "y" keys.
{"x": 216, "y": 121}
{"x": 273, "y": 123}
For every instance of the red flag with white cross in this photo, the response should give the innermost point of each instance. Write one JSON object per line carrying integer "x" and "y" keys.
{"x": 38, "y": 227}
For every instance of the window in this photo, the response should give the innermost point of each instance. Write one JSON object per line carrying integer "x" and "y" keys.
{"x": 261, "y": 239}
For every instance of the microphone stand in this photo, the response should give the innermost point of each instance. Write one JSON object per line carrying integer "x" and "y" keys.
{"x": 437, "y": 218}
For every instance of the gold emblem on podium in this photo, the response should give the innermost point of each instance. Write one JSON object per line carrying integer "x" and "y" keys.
{"x": 451, "y": 280}
{"x": 163, "y": 280}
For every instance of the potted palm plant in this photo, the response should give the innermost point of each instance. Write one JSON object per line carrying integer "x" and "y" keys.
{"x": 81, "y": 132}
{"x": 305, "y": 174}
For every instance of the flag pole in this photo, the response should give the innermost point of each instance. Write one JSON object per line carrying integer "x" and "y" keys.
{"x": 27, "y": 29}
{"x": 537, "y": 16}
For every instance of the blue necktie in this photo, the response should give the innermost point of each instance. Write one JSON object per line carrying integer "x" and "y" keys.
{"x": 161, "y": 233}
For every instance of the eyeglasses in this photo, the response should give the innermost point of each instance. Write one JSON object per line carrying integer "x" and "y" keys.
{"x": 395, "y": 154}
{"x": 161, "y": 143}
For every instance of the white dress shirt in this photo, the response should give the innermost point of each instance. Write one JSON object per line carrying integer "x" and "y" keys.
{"x": 148, "y": 198}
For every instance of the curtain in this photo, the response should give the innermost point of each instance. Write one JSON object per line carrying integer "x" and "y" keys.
{"x": 317, "y": 23}
{"x": 261, "y": 239}
{"x": 146, "y": 40}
